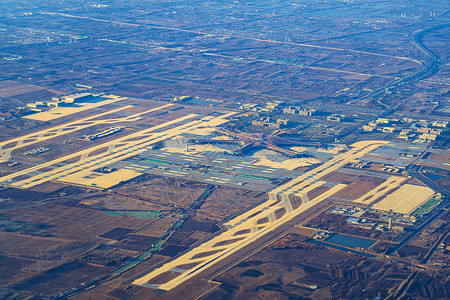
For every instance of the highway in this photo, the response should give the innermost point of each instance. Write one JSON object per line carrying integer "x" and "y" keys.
{"x": 228, "y": 36}
{"x": 428, "y": 68}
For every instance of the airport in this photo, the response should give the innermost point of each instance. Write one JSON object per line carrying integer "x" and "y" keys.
{"x": 166, "y": 150}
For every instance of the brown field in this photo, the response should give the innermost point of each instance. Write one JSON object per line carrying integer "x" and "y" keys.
{"x": 285, "y": 269}
{"x": 50, "y": 247}
{"x": 359, "y": 187}
{"x": 11, "y": 88}
{"x": 13, "y": 269}
{"x": 339, "y": 177}
{"x": 295, "y": 201}
{"x": 120, "y": 202}
{"x": 158, "y": 227}
{"x": 21, "y": 177}
{"x": 444, "y": 157}
{"x": 25, "y": 245}
{"x": 318, "y": 191}
{"x": 441, "y": 166}
{"x": 415, "y": 181}
{"x": 80, "y": 224}
{"x": 429, "y": 236}
{"x": 18, "y": 167}
{"x": 165, "y": 191}
{"x": 48, "y": 187}
{"x": 117, "y": 283}
{"x": 388, "y": 158}
{"x": 62, "y": 277}
{"x": 226, "y": 202}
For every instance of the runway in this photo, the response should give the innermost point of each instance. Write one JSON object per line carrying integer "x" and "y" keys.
{"x": 108, "y": 152}
{"x": 254, "y": 223}
{"x": 8, "y": 146}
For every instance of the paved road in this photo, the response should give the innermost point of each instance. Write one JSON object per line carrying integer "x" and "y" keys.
{"x": 427, "y": 69}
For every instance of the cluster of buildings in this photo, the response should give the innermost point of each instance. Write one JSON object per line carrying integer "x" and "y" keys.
{"x": 293, "y": 110}
{"x": 427, "y": 133}
{"x": 273, "y": 105}
{"x": 385, "y": 168}
{"x": 59, "y": 101}
{"x": 337, "y": 118}
{"x": 180, "y": 98}
{"x": 268, "y": 122}
{"x": 355, "y": 218}
{"x": 420, "y": 131}
{"x": 111, "y": 130}
{"x": 278, "y": 106}
{"x": 348, "y": 210}
{"x": 361, "y": 164}
{"x": 195, "y": 100}
{"x": 322, "y": 235}
{"x": 392, "y": 169}
{"x": 36, "y": 151}
{"x": 361, "y": 223}
{"x": 269, "y": 107}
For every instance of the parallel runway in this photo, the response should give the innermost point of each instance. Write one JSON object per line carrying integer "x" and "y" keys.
{"x": 8, "y": 146}
{"x": 108, "y": 152}
{"x": 286, "y": 201}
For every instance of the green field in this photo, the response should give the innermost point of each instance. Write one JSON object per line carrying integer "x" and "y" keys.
{"x": 254, "y": 176}
{"x": 156, "y": 214}
{"x": 158, "y": 161}
{"x": 427, "y": 206}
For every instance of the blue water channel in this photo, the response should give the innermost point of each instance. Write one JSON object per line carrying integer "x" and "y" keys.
{"x": 350, "y": 241}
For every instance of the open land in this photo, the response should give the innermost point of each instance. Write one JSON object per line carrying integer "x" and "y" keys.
{"x": 247, "y": 150}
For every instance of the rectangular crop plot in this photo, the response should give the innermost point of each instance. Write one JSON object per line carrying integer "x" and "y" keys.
{"x": 171, "y": 250}
{"x": 118, "y": 233}
{"x": 137, "y": 242}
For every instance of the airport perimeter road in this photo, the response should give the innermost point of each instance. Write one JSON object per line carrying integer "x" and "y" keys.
{"x": 255, "y": 223}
